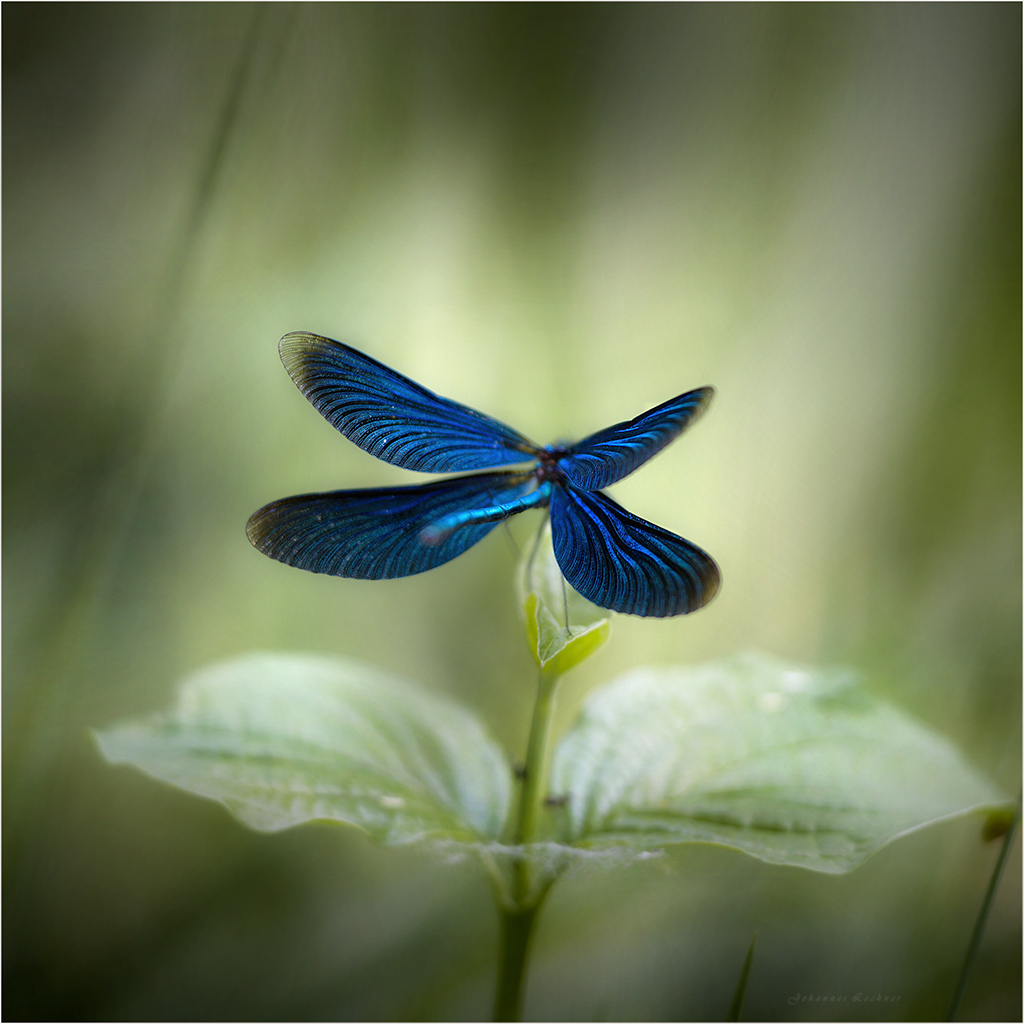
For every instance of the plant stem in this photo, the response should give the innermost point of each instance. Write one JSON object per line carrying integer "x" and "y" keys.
{"x": 979, "y": 925}
{"x": 535, "y": 776}
{"x": 516, "y": 929}
{"x": 529, "y": 886}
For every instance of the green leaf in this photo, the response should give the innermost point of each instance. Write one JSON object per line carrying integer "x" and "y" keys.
{"x": 791, "y": 765}
{"x": 286, "y": 739}
{"x": 562, "y": 627}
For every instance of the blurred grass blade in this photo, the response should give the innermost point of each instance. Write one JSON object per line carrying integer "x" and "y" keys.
{"x": 736, "y": 1007}
{"x": 986, "y": 906}
{"x": 794, "y": 766}
{"x": 286, "y": 739}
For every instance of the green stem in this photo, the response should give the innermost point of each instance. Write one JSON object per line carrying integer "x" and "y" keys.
{"x": 535, "y": 775}
{"x": 516, "y": 929}
{"x": 529, "y": 886}
{"x": 979, "y": 925}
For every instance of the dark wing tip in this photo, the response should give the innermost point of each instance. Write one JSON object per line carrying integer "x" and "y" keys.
{"x": 710, "y": 578}
{"x": 295, "y": 349}
{"x": 258, "y": 528}
{"x": 295, "y": 338}
{"x": 703, "y": 396}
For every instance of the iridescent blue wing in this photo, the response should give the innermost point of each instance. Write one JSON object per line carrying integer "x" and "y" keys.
{"x": 375, "y": 534}
{"x": 609, "y": 455}
{"x": 624, "y": 563}
{"x": 394, "y": 418}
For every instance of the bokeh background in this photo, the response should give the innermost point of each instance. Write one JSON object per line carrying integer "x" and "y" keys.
{"x": 560, "y": 215}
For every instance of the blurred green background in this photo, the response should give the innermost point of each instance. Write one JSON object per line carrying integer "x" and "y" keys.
{"x": 560, "y": 215}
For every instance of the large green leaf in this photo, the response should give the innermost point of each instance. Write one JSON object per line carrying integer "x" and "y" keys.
{"x": 284, "y": 739}
{"x": 792, "y": 765}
